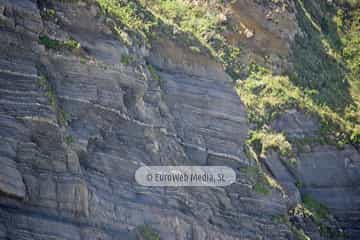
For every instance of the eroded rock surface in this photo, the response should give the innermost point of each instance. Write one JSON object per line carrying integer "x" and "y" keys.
{"x": 328, "y": 173}
{"x": 118, "y": 118}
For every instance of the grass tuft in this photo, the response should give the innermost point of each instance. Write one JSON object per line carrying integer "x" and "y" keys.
{"x": 318, "y": 210}
{"x": 62, "y": 116}
{"x": 264, "y": 140}
{"x": 127, "y": 59}
{"x": 69, "y": 140}
{"x": 55, "y": 44}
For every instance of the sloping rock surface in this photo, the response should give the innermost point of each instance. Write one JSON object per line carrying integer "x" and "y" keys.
{"x": 119, "y": 118}
{"x": 329, "y": 174}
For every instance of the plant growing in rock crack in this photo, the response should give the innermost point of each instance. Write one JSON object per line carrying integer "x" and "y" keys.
{"x": 62, "y": 116}
{"x": 127, "y": 59}
{"x": 55, "y": 44}
{"x": 319, "y": 214}
{"x": 298, "y": 233}
{"x": 48, "y": 13}
{"x": 261, "y": 183}
{"x": 43, "y": 83}
{"x": 261, "y": 187}
{"x": 154, "y": 74}
{"x": 145, "y": 232}
{"x": 318, "y": 210}
{"x": 264, "y": 140}
{"x": 195, "y": 49}
{"x": 69, "y": 139}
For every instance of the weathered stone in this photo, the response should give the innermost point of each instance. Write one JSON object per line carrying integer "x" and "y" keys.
{"x": 11, "y": 182}
{"x": 336, "y": 182}
{"x": 297, "y": 124}
{"x": 283, "y": 175}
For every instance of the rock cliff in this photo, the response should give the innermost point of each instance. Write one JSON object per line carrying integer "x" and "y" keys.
{"x": 80, "y": 111}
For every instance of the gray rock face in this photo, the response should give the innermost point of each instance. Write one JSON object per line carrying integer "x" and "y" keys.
{"x": 297, "y": 125}
{"x": 69, "y": 149}
{"x": 281, "y": 172}
{"x": 11, "y": 181}
{"x": 208, "y": 117}
{"x": 119, "y": 117}
{"x": 337, "y": 183}
{"x": 328, "y": 174}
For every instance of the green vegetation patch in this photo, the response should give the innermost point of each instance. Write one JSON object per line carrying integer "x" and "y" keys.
{"x": 147, "y": 233}
{"x": 48, "y": 13}
{"x": 266, "y": 96}
{"x": 50, "y": 43}
{"x": 325, "y": 81}
{"x": 198, "y": 27}
{"x": 318, "y": 210}
{"x": 44, "y": 84}
{"x": 127, "y": 59}
{"x": 154, "y": 73}
{"x": 131, "y": 17}
{"x": 320, "y": 215}
{"x": 206, "y": 23}
{"x": 264, "y": 140}
{"x": 299, "y": 234}
{"x": 69, "y": 140}
{"x": 262, "y": 188}
{"x": 326, "y": 64}
{"x": 261, "y": 182}
{"x": 351, "y": 54}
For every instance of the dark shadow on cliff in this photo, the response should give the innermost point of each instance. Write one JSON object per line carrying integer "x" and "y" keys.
{"x": 318, "y": 67}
